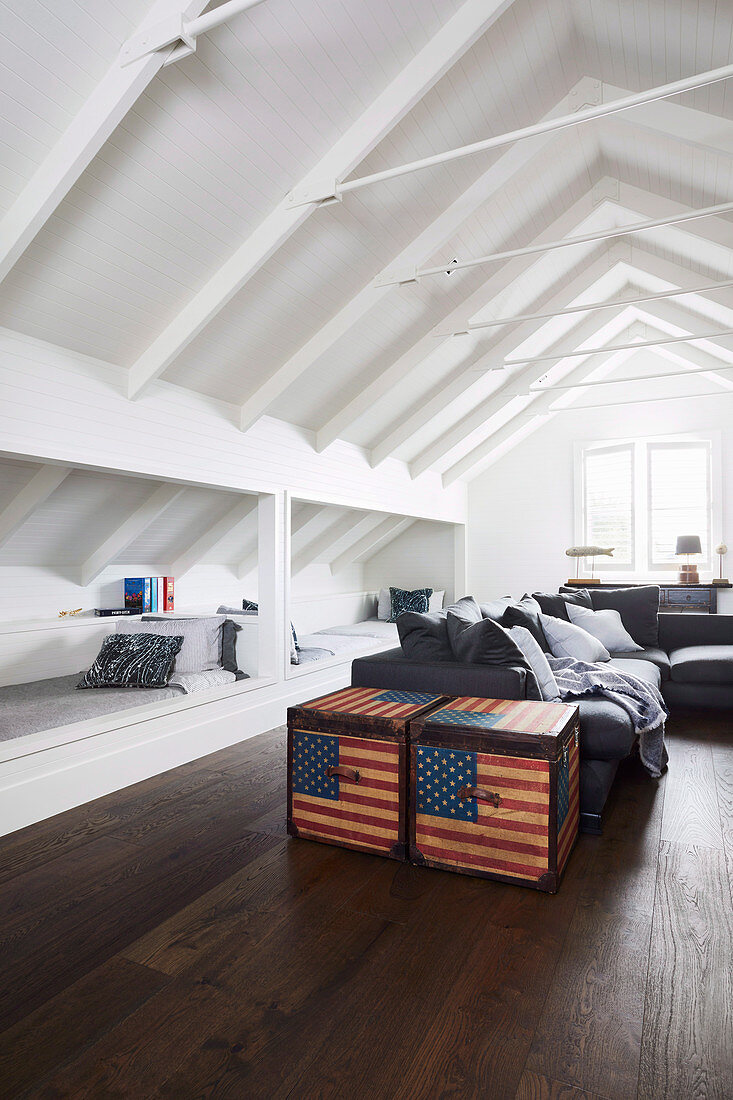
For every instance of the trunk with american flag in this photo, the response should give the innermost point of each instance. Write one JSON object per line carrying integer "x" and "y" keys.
{"x": 347, "y": 768}
{"x": 494, "y": 789}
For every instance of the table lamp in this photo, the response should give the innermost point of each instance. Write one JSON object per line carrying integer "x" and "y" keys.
{"x": 687, "y": 545}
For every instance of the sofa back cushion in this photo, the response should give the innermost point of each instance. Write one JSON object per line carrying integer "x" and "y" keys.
{"x": 555, "y": 603}
{"x": 484, "y": 642}
{"x": 495, "y": 608}
{"x": 466, "y": 608}
{"x": 526, "y": 613}
{"x": 424, "y": 637}
{"x": 638, "y": 608}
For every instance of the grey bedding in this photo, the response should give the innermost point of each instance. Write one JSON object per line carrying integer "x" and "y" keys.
{"x": 46, "y": 704}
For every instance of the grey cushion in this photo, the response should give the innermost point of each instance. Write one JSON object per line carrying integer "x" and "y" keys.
{"x": 468, "y": 609}
{"x": 676, "y": 631}
{"x": 527, "y": 613}
{"x": 393, "y": 670}
{"x": 638, "y": 608}
{"x": 424, "y": 637}
{"x": 483, "y": 643}
{"x": 702, "y": 664}
{"x": 606, "y": 732}
{"x": 229, "y": 630}
{"x": 553, "y": 603}
{"x": 656, "y": 656}
{"x": 643, "y": 670}
{"x": 495, "y": 608}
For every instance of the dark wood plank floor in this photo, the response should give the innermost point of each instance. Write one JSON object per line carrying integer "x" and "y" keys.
{"x": 169, "y": 940}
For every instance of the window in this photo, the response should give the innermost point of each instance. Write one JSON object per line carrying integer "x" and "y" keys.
{"x": 639, "y": 496}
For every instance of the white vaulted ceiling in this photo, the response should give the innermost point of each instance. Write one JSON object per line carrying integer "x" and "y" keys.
{"x": 171, "y": 254}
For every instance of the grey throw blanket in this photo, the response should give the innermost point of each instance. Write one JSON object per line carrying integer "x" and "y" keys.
{"x": 642, "y": 702}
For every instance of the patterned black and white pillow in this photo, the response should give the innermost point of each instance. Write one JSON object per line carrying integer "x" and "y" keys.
{"x": 402, "y": 600}
{"x": 253, "y": 608}
{"x": 133, "y": 660}
{"x": 250, "y": 605}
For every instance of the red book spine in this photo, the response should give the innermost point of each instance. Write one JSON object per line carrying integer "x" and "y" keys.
{"x": 168, "y": 593}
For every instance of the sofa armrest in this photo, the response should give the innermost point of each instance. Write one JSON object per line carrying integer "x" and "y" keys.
{"x": 686, "y": 628}
{"x": 393, "y": 670}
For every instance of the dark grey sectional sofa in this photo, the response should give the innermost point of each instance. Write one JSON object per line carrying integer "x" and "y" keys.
{"x": 693, "y": 665}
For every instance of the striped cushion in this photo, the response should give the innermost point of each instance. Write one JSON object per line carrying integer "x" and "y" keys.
{"x": 201, "y": 649}
{"x": 133, "y": 660}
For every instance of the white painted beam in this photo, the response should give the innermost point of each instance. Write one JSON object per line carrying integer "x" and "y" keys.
{"x": 369, "y": 544}
{"x": 423, "y": 246}
{"x": 633, "y": 201}
{"x": 199, "y": 550}
{"x": 122, "y": 537}
{"x": 33, "y": 494}
{"x": 427, "y": 67}
{"x": 78, "y": 145}
{"x": 669, "y": 118}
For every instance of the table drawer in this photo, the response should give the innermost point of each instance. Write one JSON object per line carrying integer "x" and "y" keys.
{"x": 681, "y": 599}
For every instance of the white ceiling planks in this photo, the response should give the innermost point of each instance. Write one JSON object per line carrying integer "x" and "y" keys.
{"x": 176, "y": 251}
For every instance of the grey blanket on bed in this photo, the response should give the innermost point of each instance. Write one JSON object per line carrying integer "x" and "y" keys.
{"x": 642, "y": 702}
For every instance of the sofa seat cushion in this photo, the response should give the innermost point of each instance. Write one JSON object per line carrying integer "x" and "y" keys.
{"x": 702, "y": 664}
{"x": 643, "y": 670}
{"x": 655, "y": 656}
{"x": 606, "y": 732}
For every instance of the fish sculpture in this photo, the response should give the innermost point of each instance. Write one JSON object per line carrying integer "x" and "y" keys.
{"x": 589, "y": 551}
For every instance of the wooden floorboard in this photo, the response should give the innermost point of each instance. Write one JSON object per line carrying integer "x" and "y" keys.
{"x": 169, "y": 940}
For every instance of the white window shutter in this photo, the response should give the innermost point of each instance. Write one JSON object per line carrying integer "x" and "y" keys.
{"x": 608, "y": 506}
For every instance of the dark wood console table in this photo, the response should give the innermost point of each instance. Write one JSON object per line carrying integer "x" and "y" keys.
{"x": 680, "y": 597}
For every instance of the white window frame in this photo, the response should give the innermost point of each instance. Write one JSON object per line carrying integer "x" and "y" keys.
{"x": 643, "y": 569}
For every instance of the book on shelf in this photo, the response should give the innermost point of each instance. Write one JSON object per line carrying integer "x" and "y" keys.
{"x": 106, "y": 612}
{"x": 147, "y": 594}
{"x": 134, "y": 594}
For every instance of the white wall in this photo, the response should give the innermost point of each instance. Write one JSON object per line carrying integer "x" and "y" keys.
{"x": 520, "y": 510}
{"x": 422, "y": 556}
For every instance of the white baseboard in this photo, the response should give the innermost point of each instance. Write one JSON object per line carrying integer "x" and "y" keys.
{"x": 50, "y": 775}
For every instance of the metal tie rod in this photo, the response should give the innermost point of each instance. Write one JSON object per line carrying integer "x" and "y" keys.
{"x": 568, "y": 242}
{"x": 639, "y": 401}
{"x": 612, "y": 347}
{"x": 553, "y": 387}
{"x": 478, "y": 326}
{"x": 333, "y": 190}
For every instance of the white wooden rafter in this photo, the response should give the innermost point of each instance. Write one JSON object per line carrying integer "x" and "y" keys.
{"x": 538, "y": 412}
{"x": 662, "y": 312}
{"x": 203, "y": 546}
{"x": 385, "y": 532}
{"x": 249, "y": 560}
{"x": 424, "y": 245}
{"x": 31, "y": 496}
{"x": 436, "y": 407}
{"x": 125, "y": 534}
{"x": 399, "y": 97}
{"x": 84, "y": 137}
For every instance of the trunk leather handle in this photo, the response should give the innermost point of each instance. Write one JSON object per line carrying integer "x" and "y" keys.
{"x": 480, "y": 793}
{"x": 345, "y": 773}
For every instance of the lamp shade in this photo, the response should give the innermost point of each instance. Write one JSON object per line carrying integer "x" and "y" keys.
{"x": 688, "y": 544}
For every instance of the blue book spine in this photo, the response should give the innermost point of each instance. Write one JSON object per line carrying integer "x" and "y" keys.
{"x": 153, "y": 593}
{"x": 134, "y": 593}
{"x": 147, "y": 601}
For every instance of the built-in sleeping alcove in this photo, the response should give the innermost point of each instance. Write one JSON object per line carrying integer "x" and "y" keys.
{"x": 342, "y": 560}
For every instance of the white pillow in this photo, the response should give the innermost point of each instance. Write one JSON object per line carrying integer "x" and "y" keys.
{"x": 568, "y": 640}
{"x": 436, "y": 601}
{"x": 606, "y": 626}
{"x": 537, "y": 661}
{"x": 201, "y": 649}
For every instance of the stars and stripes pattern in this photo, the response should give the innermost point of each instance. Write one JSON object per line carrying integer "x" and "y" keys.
{"x": 517, "y": 715}
{"x": 373, "y": 702}
{"x": 336, "y": 809}
{"x": 509, "y": 839}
